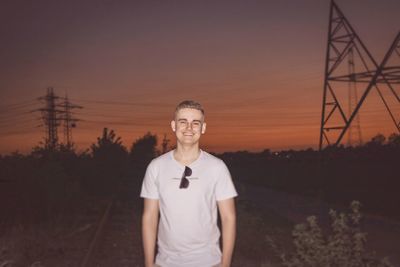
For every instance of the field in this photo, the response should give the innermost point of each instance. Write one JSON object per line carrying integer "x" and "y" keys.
{"x": 51, "y": 204}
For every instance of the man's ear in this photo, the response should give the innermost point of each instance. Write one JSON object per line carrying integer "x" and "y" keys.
{"x": 203, "y": 128}
{"x": 173, "y": 125}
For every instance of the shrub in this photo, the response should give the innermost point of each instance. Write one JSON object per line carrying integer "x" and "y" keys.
{"x": 344, "y": 246}
{"x": 109, "y": 161}
{"x": 144, "y": 149}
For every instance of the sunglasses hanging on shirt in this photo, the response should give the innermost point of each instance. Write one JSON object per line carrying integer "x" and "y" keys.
{"x": 185, "y": 181}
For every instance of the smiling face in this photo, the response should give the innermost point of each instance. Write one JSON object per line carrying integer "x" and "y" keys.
{"x": 188, "y": 126}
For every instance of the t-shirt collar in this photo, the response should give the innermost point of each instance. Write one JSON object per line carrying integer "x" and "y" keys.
{"x": 191, "y": 165}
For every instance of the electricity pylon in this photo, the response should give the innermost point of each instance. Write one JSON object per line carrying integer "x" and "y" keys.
{"x": 355, "y": 128}
{"x": 69, "y": 121}
{"x": 342, "y": 40}
{"x": 51, "y": 120}
{"x": 57, "y": 110}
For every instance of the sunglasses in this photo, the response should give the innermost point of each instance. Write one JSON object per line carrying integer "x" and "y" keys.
{"x": 184, "y": 180}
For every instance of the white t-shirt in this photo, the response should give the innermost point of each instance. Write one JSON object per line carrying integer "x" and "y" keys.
{"x": 188, "y": 235}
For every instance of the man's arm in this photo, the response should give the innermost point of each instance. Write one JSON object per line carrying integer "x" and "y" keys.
{"x": 228, "y": 219}
{"x": 149, "y": 230}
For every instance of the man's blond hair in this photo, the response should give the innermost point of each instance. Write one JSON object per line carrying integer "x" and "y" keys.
{"x": 189, "y": 104}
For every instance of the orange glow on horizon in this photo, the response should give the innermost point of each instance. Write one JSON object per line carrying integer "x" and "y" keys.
{"x": 257, "y": 68}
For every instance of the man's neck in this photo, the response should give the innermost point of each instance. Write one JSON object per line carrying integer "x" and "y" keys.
{"x": 186, "y": 155}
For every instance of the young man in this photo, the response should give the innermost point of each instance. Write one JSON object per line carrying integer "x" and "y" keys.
{"x": 186, "y": 187}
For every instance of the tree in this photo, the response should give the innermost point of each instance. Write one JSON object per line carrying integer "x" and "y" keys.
{"x": 109, "y": 162}
{"x": 394, "y": 139}
{"x": 108, "y": 146}
{"x": 165, "y": 144}
{"x": 143, "y": 150}
{"x": 377, "y": 140}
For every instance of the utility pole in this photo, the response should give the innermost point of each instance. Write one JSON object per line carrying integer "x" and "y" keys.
{"x": 50, "y": 116}
{"x": 69, "y": 121}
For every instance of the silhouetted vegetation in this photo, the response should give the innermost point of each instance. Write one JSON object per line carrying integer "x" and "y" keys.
{"x": 143, "y": 150}
{"x": 368, "y": 173}
{"x": 39, "y": 186}
{"x": 107, "y": 164}
{"x": 54, "y": 189}
{"x": 343, "y": 245}
{"x": 46, "y": 184}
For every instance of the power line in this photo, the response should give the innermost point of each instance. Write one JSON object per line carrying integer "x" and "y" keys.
{"x": 119, "y": 103}
{"x": 15, "y": 132}
{"x": 13, "y": 108}
{"x": 5, "y": 116}
{"x": 23, "y": 103}
{"x": 13, "y": 123}
{"x": 122, "y": 123}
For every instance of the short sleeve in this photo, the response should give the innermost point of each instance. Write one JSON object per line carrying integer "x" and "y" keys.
{"x": 224, "y": 186}
{"x": 149, "y": 185}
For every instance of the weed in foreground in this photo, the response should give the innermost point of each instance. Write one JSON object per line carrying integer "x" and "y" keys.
{"x": 343, "y": 245}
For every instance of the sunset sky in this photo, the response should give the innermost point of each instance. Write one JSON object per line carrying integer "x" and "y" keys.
{"x": 256, "y": 66}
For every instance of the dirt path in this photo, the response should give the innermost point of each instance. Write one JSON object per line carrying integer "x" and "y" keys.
{"x": 121, "y": 244}
{"x": 383, "y": 234}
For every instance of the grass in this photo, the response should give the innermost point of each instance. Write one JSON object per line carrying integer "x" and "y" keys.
{"x": 60, "y": 241}
{"x": 63, "y": 241}
{"x": 256, "y": 227}
{"x": 32, "y": 245}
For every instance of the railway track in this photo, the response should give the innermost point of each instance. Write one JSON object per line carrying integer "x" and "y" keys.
{"x": 117, "y": 240}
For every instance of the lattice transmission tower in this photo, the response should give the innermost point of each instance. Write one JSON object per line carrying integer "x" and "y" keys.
{"x": 69, "y": 122}
{"x": 354, "y": 135}
{"x": 343, "y": 42}
{"x": 51, "y": 119}
{"x": 57, "y": 112}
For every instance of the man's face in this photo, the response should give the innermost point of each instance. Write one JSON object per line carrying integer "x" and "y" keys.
{"x": 188, "y": 125}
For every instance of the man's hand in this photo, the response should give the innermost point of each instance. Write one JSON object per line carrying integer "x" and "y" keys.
{"x": 149, "y": 230}
{"x": 228, "y": 219}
